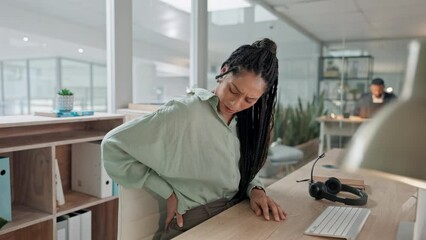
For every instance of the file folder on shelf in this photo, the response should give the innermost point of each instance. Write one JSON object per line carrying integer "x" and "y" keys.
{"x": 74, "y": 226}
{"x": 88, "y": 174}
{"x": 115, "y": 188}
{"x": 62, "y": 228}
{"x": 85, "y": 224}
{"x": 5, "y": 196}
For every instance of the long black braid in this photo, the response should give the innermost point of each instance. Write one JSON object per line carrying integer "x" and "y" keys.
{"x": 254, "y": 124}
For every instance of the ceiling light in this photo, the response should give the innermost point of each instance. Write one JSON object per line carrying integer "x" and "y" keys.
{"x": 25, "y": 39}
{"x": 262, "y": 15}
{"x": 81, "y": 50}
{"x": 216, "y": 5}
{"x": 219, "y": 5}
{"x": 346, "y": 53}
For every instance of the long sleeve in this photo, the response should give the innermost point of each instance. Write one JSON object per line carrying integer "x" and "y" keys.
{"x": 131, "y": 151}
{"x": 255, "y": 182}
{"x": 178, "y": 149}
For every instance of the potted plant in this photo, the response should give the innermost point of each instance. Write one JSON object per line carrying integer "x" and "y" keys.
{"x": 65, "y": 100}
{"x": 297, "y": 125}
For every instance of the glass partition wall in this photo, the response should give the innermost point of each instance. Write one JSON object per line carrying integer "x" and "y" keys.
{"x": 161, "y": 37}
{"x": 30, "y": 85}
{"x": 297, "y": 54}
{"x": 61, "y": 45}
{"x": 45, "y": 47}
{"x": 71, "y": 52}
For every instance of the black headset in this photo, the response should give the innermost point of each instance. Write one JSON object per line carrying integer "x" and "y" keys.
{"x": 332, "y": 187}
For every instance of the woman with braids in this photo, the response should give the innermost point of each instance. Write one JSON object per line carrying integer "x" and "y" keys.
{"x": 202, "y": 152}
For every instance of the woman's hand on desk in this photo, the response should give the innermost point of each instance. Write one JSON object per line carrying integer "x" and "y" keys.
{"x": 172, "y": 212}
{"x": 261, "y": 204}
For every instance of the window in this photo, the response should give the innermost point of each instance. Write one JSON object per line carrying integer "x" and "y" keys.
{"x": 47, "y": 46}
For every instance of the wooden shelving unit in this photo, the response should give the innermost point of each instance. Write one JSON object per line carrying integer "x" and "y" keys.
{"x": 32, "y": 143}
{"x": 343, "y": 80}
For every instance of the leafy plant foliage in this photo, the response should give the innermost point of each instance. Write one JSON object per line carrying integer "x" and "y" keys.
{"x": 297, "y": 124}
{"x": 65, "y": 92}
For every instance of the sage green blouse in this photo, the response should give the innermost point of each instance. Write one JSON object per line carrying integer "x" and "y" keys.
{"x": 185, "y": 147}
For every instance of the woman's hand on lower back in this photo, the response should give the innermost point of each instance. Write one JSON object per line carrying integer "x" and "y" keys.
{"x": 172, "y": 203}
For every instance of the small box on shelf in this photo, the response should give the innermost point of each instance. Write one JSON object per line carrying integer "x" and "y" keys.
{"x": 58, "y": 114}
{"x": 5, "y": 197}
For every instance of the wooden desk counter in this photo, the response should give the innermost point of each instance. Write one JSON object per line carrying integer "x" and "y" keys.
{"x": 389, "y": 201}
{"x": 340, "y": 118}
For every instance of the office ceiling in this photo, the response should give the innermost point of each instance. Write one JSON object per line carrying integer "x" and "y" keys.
{"x": 328, "y": 21}
{"x": 325, "y": 20}
{"x": 338, "y": 20}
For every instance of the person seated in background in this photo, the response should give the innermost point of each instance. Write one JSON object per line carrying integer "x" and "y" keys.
{"x": 371, "y": 102}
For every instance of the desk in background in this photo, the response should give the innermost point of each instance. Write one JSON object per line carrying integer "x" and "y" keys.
{"x": 389, "y": 201}
{"x": 338, "y": 126}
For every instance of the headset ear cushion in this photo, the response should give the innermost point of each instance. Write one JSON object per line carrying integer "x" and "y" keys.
{"x": 315, "y": 190}
{"x": 333, "y": 185}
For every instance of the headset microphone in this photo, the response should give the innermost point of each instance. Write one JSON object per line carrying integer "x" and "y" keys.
{"x": 332, "y": 187}
{"x": 312, "y": 169}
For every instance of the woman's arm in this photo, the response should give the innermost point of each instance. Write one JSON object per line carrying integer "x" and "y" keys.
{"x": 129, "y": 171}
{"x": 134, "y": 154}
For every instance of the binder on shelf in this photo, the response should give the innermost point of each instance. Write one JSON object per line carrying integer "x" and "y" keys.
{"x": 62, "y": 228}
{"x": 58, "y": 184}
{"x": 85, "y": 224}
{"x": 115, "y": 188}
{"x": 88, "y": 174}
{"x": 5, "y": 196}
{"x": 74, "y": 226}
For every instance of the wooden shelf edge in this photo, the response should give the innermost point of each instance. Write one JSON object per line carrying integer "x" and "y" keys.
{"x": 75, "y": 201}
{"x": 96, "y": 137}
{"x": 23, "y": 217}
{"x": 32, "y": 120}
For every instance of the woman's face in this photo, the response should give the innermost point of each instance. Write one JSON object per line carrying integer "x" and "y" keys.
{"x": 238, "y": 92}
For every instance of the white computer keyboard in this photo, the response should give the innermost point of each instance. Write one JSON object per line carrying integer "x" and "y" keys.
{"x": 340, "y": 222}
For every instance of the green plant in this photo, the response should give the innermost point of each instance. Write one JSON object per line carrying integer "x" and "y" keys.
{"x": 297, "y": 124}
{"x": 65, "y": 92}
{"x": 2, "y": 222}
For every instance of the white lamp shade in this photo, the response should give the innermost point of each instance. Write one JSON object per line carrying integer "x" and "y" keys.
{"x": 394, "y": 142}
